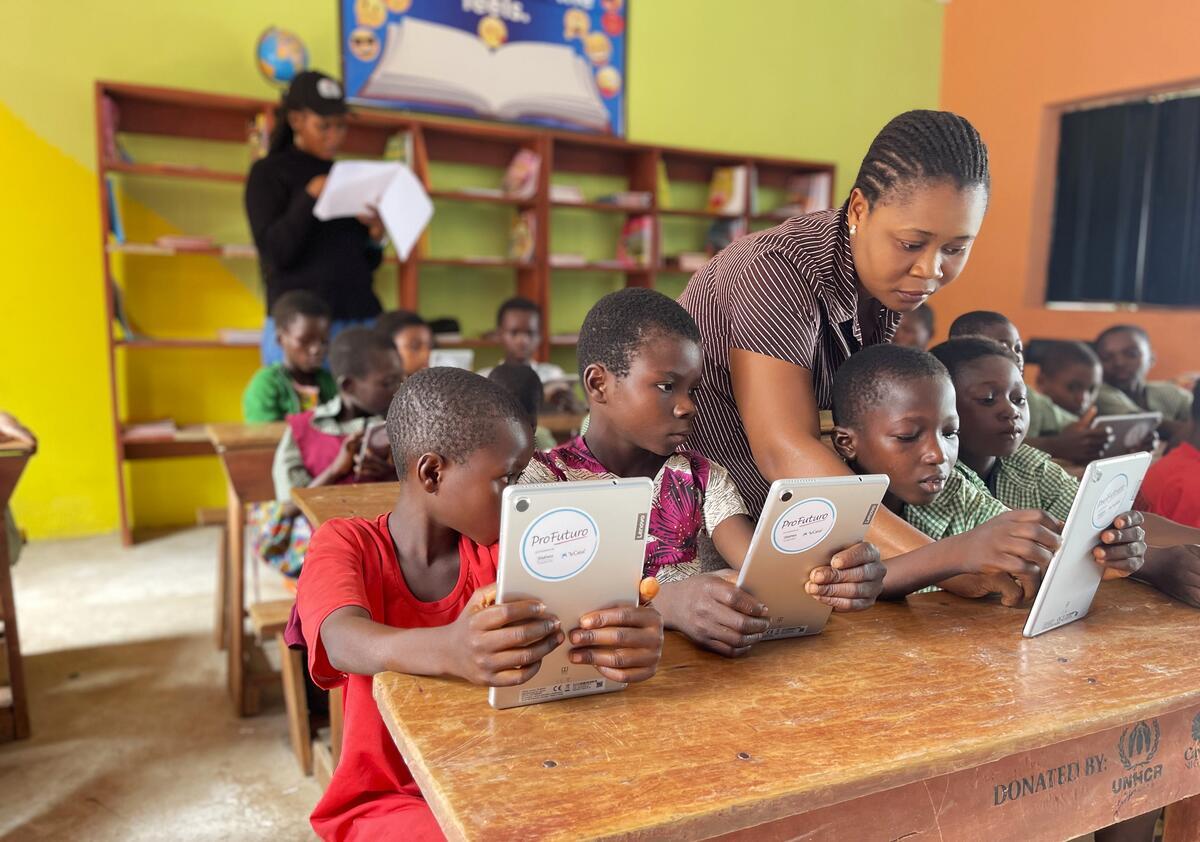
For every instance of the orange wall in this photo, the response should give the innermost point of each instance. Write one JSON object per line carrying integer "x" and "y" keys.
{"x": 1004, "y": 66}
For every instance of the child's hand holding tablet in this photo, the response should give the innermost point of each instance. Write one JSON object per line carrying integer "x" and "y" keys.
{"x": 852, "y": 580}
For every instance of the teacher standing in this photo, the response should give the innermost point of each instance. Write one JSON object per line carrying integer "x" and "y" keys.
{"x": 334, "y": 259}
{"x": 781, "y": 310}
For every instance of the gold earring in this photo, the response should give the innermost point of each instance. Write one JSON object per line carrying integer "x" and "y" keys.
{"x": 853, "y": 230}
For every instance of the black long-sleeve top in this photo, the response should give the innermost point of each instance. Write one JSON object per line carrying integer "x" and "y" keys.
{"x": 335, "y": 260}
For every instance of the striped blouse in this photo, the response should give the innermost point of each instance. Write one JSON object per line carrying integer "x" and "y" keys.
{"x": 791, "y": 293}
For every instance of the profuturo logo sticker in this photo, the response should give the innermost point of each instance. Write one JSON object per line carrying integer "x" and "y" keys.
{"x": 804, "y": 525}
{"x": 559, "y": 544}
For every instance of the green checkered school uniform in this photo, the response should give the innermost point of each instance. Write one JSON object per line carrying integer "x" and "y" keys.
{"x": 1029, "y": 479}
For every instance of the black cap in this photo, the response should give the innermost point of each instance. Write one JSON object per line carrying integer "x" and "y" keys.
{"x": 315, "y": 92}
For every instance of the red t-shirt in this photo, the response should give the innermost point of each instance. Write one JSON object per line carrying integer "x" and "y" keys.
{"x": 1172, "y": 487}
{"x": 353, "y": 562}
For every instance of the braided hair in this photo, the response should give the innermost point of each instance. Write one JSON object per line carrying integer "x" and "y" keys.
{"x": 919, "y": 147}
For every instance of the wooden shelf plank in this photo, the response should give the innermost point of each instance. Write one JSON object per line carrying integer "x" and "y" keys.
{"x": 598, "y": 266}
{"x": 698, "y": 214}
{"x": 182, "y": 343}
{"x": 484, "y": 198}
{"x": 174, "y": 171}
{"x": 603, "y": 207}
{"x": 470, "y": 343}
{"x": 472, "y": 262}
{"x": 228, "y": 250}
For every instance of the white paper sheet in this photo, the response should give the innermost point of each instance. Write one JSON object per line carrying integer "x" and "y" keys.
{"x": 354, "y": 188}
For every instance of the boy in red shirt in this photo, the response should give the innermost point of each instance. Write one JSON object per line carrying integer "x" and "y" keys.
{"x": 412, "y": 591}
{"x": 1172, "y": 485}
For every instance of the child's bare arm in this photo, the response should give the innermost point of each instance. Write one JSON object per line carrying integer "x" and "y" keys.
{"x": 495, "y": 645}
{"x": 732, "y": 539}
{"x": 342, "y": 465}
{"x": 1018, "y": 544}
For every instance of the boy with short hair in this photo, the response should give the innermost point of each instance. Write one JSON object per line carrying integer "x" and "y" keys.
{"x": 640, "y": 362}
{"x": 412, "y": 336}
{"x": 896, "y": 414}
{"x": 323, "y": 446}
{"x": 522, "y": 382}
{"x": 1172, "y": 486}
{"x": 1127, "y": 357}
{"x": 300, "y": 382}
{"x": 413, "y": 590}
{"x": 519, "y": 330}
{"x": 1052, "y": 428}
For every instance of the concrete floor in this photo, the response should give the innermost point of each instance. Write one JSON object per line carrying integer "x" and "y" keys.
{"x": 133, "y": 735}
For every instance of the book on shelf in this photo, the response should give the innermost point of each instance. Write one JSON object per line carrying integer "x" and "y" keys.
{"x": 125, "y": 329}
{"x": 566, "y": 261}
{"x": 116, "y": 227}
{"x": 240, "y": 335}
{"x": 239, "y": 250}
{"x": 258, "y": 135}
{"x": 522, "y": 239}
{"x": 806, "y": 193}
{"x": 566, "y": 194}
{"x": 110, "y": 120}
{"x": 432, "y": 63}
{"x": 163, "y": 429}
{"x": 452, "y": 358}
{"x": 633, "y": 199}
{"x": 185, "y": 242}
{"x": 521, "y": 178}
{"x": 728, "y": 191}
{"x": 687, "y": 261}
{"x": 663, "y": 184}
{"x": 722, "y": 232}
{"x": 635, "y": 247}
{"x": 565, "y": 338}
{"x": 399, "y": 148}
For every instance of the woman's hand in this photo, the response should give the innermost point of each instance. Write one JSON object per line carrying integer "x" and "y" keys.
{"x": 315, "y": 185}
{"x": 373, "y": 224}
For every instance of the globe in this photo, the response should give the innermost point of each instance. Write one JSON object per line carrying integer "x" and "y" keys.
{"x": 280, "y": 55}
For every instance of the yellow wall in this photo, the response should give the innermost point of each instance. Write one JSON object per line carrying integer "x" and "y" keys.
{"x": 800, "y": 78}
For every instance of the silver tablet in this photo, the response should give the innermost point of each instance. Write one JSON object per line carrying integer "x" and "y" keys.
{"x": 1128, "y": 431}
{"x": 576, "y": 546}
{"x": 1107, "y": 489}
{"x": 804, "y": 522}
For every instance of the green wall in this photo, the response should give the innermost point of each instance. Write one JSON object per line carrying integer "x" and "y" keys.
{"x": 796, "y": 78}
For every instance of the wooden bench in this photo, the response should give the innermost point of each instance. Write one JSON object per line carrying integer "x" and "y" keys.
{"x": 247, "y": 452}
{"x": 14, "y": 710}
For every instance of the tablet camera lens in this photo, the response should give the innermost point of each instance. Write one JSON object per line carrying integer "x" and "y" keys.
{"x": 785, "y": 496}
{"x": 523, "y": 505}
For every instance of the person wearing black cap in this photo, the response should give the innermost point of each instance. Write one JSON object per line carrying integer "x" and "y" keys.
{"x": 334, "y": 259}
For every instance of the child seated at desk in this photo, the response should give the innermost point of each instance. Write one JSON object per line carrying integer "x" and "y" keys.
{"x": 994, "y": 458}
{"x": 1172, "y": 486}
{"x": 300, "y": 382}
{"x": 413, "y": 590}
{"x": 411, "y": 335}
{"x": 522, "y": 382}
{"x": 895, "y": 414}
{"x": 519, "y": 331}
{"x": 1127, "y": 357}
{"x": 1057, "y": 429}
{"x": 640, "y": 360}
{"x": 324, "y": 445}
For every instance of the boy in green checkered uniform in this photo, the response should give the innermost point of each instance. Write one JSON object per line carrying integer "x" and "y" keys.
{"x": 896, "y": 414}
{"x": 994, "y": 460}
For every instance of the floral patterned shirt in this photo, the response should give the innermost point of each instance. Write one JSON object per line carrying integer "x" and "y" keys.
{"x": 692, "y": 495}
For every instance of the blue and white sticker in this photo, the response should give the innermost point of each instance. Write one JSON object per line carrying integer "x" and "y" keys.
{"x": 804, "y": 525}
{"x": 1111, "y": 502}
{"x": 559, "y": 544}
{"x": 1137, "y": 434}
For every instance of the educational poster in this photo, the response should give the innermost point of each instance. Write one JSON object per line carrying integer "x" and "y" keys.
{"x": 554, "y": 63}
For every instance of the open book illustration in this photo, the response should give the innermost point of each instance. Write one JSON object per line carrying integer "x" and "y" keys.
{"x": 354, "y": 188}
{"x": 432, "y": 63}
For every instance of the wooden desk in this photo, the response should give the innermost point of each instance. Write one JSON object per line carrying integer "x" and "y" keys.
{"x": 368, "y": 500}
{"x": 14, "y": 712}
{"x": 928, "y": 720}
{"x": 246, "y": 451}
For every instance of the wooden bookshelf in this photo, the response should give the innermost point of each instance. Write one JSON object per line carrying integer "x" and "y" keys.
{"x": 199, "y": 116}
